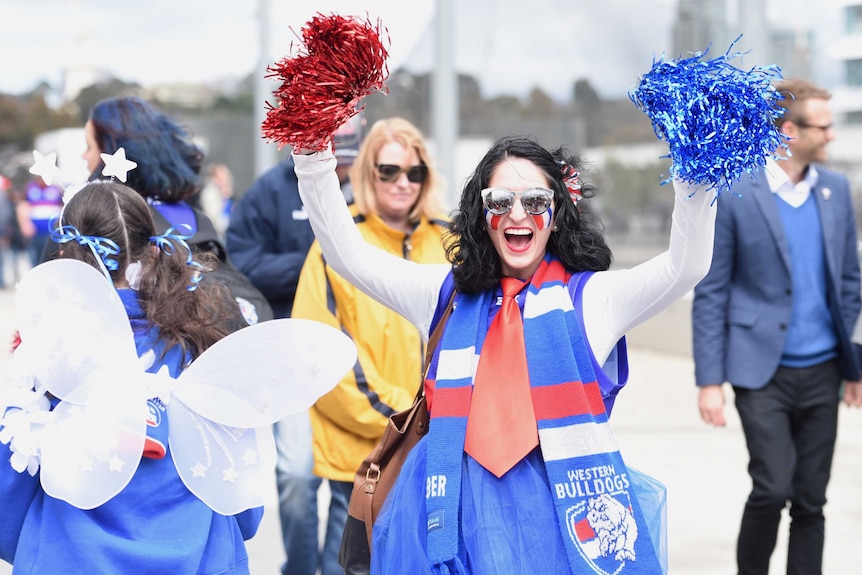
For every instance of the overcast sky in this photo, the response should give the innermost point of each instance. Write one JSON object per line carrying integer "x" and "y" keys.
{"x": 510, "y": 46}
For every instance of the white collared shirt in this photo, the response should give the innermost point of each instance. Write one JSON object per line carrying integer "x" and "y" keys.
{"x": 779, "y": 183}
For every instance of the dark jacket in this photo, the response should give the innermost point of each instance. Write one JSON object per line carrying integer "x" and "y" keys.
{"x": 269, "y": 236}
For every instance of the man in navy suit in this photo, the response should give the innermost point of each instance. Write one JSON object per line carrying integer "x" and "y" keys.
{"x": 774, "y": 318}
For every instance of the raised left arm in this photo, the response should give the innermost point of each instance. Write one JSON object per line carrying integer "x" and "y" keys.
{"x": 615, "y": 301}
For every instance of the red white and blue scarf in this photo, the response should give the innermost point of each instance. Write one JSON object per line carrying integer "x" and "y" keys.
{"x": 599, "y": 516}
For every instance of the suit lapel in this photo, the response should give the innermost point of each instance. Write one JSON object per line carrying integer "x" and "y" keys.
{"x": 828, "y": 223}
{"x": 765, "y": 200}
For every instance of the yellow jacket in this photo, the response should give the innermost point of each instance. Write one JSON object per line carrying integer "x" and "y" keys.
{"x": 349, "y": 420}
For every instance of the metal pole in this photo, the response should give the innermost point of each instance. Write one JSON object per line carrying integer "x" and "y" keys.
{"x": 265, "y": 153}
{"x": 444, "y": 98}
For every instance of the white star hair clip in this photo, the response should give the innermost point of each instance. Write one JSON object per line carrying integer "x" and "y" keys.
{"x": 117, "y": 165}
{"x": 45, "y": 166}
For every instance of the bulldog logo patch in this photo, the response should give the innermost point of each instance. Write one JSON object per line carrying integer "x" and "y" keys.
{"x": 604, "y": 531}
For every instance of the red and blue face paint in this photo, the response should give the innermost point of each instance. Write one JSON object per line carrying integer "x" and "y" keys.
{"x": 544, "y": 220}
{"x": 493, "y": 220}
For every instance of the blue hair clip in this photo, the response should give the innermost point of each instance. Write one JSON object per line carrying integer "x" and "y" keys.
{"x": 104, "y": 249}
{"x": 166, "y": 242}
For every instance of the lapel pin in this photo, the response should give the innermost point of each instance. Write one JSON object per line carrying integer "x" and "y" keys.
{"x": 827, "y": 193}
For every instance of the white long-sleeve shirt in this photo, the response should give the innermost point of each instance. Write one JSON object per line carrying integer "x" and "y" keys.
{"x": 613, "y": 301}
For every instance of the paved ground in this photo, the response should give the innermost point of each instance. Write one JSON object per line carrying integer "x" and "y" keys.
{"x": 659, "y": 432}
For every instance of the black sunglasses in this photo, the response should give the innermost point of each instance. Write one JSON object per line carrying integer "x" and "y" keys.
{"x": 391, "y": 172}
{"x": 804, "y": 125}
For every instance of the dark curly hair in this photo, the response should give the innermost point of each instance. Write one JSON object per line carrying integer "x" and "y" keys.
{"x": 578, "y": 242}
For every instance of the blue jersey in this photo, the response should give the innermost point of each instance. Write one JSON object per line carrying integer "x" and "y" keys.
{"x": 155, "y": 525}
{"x": 45, "y": 205}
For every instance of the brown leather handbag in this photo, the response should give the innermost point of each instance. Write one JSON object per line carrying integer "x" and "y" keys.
{"x": 377, "y": 474}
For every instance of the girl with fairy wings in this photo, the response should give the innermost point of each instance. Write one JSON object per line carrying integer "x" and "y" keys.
{"x": 134, "y": 433}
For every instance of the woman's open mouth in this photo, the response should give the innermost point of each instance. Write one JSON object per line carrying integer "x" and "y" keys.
{"x": 518, "y": 239}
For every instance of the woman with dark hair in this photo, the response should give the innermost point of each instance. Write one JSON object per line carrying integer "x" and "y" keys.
{"x": 167, "y": 176}
{"x": 583, "y": 249}
{"x": 154, "y": 524}
{"x": 169, "y": 162}
{"x": 519, "y": 471}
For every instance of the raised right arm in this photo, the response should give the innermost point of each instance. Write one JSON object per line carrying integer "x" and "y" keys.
{"x": 406, "y": 287}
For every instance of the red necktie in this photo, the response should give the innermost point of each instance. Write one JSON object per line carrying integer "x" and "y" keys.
{"x": 501, "y": 425}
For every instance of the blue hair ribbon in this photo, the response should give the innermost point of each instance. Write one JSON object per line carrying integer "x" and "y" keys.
{"x": 103, "y": 249}
{"x": 167, "y": 241}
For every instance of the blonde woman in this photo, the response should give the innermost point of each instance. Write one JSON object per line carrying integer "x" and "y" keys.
{"x": 396, "y": 191}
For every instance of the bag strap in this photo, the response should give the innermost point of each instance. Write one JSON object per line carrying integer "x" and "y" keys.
{"x": 418, "y": 403}
{"x": 434, "y": 339}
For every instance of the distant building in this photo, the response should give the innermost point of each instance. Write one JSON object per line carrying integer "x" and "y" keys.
{"x": 185, "y": 94}
{"x": 792, "y": 51}
{"x": 752, "y": 24}
{"x": 698, "y": 24}
{"x": 846, "y": 150}
{"x": 847, "y": 98}
{"x": 84, "y": 68}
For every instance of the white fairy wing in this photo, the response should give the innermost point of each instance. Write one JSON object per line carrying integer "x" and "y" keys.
{"x": 90, "y": 452}
{"x": 265, "y": 372}
{"x": 68, "y": 311}
{"x": 228, "y": 468}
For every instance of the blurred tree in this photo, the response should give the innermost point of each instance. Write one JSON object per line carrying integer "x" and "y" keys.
{"x": 502, "y": 107}
{"x": 472, "y": 118}
{"x": 634, "y": 195}
{"x": 585, "y": 95}
{"x": 408, "y": 97}
{"x": 238, "y": 104}
{"x": 238, "y": 100}
{"x": 22, "y": 118}
{"x": 91, "y": 95}
{"x": 539, "y": 105}
{"x": 588, "y": 107}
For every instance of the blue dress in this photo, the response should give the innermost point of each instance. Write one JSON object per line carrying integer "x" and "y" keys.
{"x": 507, "y": 524}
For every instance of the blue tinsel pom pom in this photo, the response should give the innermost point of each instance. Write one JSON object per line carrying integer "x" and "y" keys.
{"x": 717, "y": 119}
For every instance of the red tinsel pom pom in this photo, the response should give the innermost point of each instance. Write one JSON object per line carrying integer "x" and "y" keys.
{"x": 342, "y": 60}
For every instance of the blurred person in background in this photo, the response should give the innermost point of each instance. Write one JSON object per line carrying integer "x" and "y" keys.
{"x": 7, "y": 216}
{"x": 216, "y": 198}
{"x": 268, "y": 237}
{"x": 167, "y": 176}
{"x": 41, "y": 203}
{"x": 773, "y": 318}
{"x": 397, "y": 208}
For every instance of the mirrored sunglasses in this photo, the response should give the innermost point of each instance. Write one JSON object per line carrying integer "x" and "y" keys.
{"x": 499, "y": 201}
{"x": 391, "y": 172}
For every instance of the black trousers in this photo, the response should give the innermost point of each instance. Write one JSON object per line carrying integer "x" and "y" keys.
{"x": 790, "y": 428}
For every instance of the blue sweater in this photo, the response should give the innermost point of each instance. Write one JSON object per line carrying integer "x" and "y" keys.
{"x": 155, "y": 525}
{"x": 811, "y": 337}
